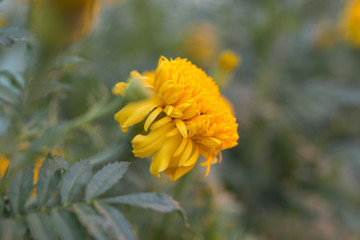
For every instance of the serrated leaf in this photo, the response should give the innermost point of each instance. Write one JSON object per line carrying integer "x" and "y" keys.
{"x": 10, "y": 35}
{"x": 104, "y": 179}
{"x": 156, "y": 201}
{"x": 74, "y": 179}
{"x": 67, "y": 225}
{"x": 91, "y": 221}
{"x": 12, "y": 229}
{"x": 14, "y": 79}
{"x": 119, "y": 226}
{"x": 20, "y": 188}
{"x": 49, "y": 178}
{"x": 41, "y": 226}
{"x": 9, "y": 96}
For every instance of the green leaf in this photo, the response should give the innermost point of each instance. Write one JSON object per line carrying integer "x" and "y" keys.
{"x": 91, "y": 221}
{"x": 12, "y": 229}
{"x": 11, "y": 35}
{"x": 49, "y": 178}
{"x": 41, "y": 226}
{"x": 119, "y": 226}
{"x": 20, "y": 188}
{"x": 104, "y": 179}
{"x": 74, "y": 179}
{"x": 15, "y": 79}
{"x": 7, "y": 94}
{"x": 67, "y": 225}
{"x": 156, "y": 201}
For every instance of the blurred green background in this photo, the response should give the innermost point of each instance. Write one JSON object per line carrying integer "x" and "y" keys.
{"x": 296, "y": 95}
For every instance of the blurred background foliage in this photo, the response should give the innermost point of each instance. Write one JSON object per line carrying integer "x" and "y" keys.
{"x": 296, "y": 95}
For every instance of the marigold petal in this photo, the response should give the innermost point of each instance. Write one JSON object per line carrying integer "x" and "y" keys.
{"x": 186, "y": 154}
{"x": 161, "y": 159}
{"x": 176, "y": 113}
{"x": 181, "y": 147}
{"x": 139, "y": 114}
{"x": 160, "y": 122}
{"x": 141, "y": 141}
{"x": 134, "y": 112}
{"x": 193, "y": 159}
{"x": 182, "y": 127}
{"x": 150, "y": 119}
{"x": 176, "y": 173}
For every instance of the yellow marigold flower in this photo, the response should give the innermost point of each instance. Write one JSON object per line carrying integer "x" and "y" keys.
{"x": 186, "y": 117}
{"x": 351, "y": 22}
{"x": 229, "y": 60}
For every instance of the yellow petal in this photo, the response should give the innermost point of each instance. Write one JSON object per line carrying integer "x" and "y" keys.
{"x": 126, "y": 116}
{"x": 141, "y": 141}
{"x": 192, "y": 160}
{"x": 139, "y": 114}
{"x": 181, "y": 147}
{"x": 148, "y": 150}
{"x": 160, "y": 122}
{"x": 171, "y": 97}
{"x": 182, "y": 127}
{"x": 161, "y": 159}
{"x": 119, "y": 88}
{"x": 152, "y": 117}
{"x": 183, "y": 106}
{"x": 176, "y": 173}
{"x": 168, "y": 85}
{"x": 186, "y": 154}
{"x": 209, "y": 160}
{"x": 168, "y": 109}
{"x": 176, "y": 113}
{"x": 172, "y": 132}
{"x": 210, "y": 142}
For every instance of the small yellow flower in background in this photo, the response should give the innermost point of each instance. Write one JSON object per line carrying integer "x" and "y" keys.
{"x": 4, "y": 164}
{"x": 350, "y": 23}
{"x": 229, "y": 60}
{"x": 63, "y": 21}
{"x": 223, "y": 70}
{"x": 202, "y": 43}
{"x": 186, "y": 117}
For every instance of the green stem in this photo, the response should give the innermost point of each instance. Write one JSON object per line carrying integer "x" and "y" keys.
{"x": 178, "y": 195}
{"x": 96, "y": 113}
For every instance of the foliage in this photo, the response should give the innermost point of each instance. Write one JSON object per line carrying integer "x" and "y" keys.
{"x": 69, "y": 202}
